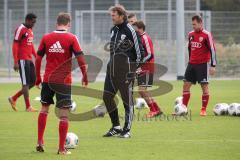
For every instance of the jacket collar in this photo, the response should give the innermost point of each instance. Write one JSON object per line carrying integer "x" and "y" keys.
{"x": 122, "y": 24}
{"x": 143, "y": 33}
{"x": 25, "y": 26}
{"x": 200, "y": 31}
{"x": 60, "y": 31}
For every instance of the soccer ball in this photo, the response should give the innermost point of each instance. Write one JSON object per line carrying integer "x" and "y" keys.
{"x": 140, "y": 103}
{"x": 180, "y": 109}
{"x": 71, "y": 141}
{"x": 178, "y": 100}
{"x": 100, "y": 110}
{"x": 220, "y": 109}
{"x": 74, "y": 106}
{"x": 232, "y": 109}
{"x": 238, "y": 109}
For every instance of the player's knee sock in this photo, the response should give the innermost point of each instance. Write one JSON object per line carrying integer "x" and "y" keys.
{"x": 18, "y": 94}
{"x": 157, "y": 108}
{"x": 42, "y": 119}
{"x": 27, "y": 102}
{"x": 63, "y": 129}
{"x": 149, "y": 101}
{"x": 205, "y": 98}
{"x": 186, "y": 97}
{"x": 151, "y": 106}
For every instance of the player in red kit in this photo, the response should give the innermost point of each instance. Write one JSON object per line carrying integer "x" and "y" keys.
{"x": 146, "y": 71}
{"x": 202, "y": 62}
{"x": 58, "y": 46}
{"x": 23, "y": 49}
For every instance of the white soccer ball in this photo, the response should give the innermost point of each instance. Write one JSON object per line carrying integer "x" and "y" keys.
{"x": 100, "y": 110}
{"x": 220, "y": 109}
{"x": 178, "y": 100}
{"x": 140, "y": 103}
{"x": 74, "y": 106}
{"x": 238, "y": 109}
{"x": 232, "y": 109}
{"x": 71, "y": 141}
{"x": 180, "y": 109}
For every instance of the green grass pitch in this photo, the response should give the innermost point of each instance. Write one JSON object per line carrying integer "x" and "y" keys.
{"x": 210, "y": 138}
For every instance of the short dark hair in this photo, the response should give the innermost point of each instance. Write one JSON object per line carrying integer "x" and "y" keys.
{"x": 198, "y": 18}
{"x": 120, "y": 10}
{"x": 30, "y": 16}
{"x": 131, "y": 15}
{"x": 140, "y": 25}
{"x": 63, "y": 18}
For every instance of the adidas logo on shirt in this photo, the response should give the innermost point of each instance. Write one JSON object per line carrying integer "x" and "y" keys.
{"x": 56, "y": 48}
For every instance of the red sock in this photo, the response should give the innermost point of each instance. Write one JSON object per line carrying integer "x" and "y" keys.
{"x": 63, "y": 129}
{"x": 151, "y": 107}
{"x": 27, "y": 102}
{"x": 18, "y": 94}
{"x": 205, "y": 98}
{"x": 42, "y": 119}
{"x": 186, "y": 97}
{"x": 157, "y": 108}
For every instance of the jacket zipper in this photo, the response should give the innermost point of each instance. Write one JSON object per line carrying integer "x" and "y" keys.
{"x": 129, "y": 69}
{"x": 114, "y": 49}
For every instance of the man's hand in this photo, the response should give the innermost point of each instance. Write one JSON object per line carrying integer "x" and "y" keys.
{"x": 16, "y": 67}
{"x": 139, "y": 70}
{"x": 212, "y": 71}
{"x": 83, "y": 67}
{"x": 38, "y": 81}
{"x": 85, "y": 81}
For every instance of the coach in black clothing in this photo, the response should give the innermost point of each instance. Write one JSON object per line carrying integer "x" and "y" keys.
{"x": 126, "y": 52}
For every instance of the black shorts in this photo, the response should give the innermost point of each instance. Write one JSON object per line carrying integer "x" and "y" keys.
{"x": 197, "y": 73}
{"x": 27, "y": 72}
{"x": 145, "y": 79}
{"x": 63, "y": 99}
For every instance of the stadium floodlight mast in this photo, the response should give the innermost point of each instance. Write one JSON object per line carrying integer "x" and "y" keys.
{"x": 180, "y": 50}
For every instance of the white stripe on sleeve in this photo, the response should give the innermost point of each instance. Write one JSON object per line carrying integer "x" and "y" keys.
{"x": 18, "y": 32}
{"x": 147, "y": 48}
{"x": 135, "y": 39}
{"x": 211, "y": 47}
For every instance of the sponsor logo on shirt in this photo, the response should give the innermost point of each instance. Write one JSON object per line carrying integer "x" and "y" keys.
{"x": 56, "y": 48}
{"x": 29, "y": 40}
{"x": 196, "y": 45}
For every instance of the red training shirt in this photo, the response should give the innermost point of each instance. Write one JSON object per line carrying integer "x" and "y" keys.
{"x": 201, "y": 48}
{"x": 59, "y": 46}
{"x": 24, "y": 36}
{"x": 149, "y": 53}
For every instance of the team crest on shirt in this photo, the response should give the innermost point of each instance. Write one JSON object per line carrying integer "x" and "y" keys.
{"x": 123, "y": 36}
{"x": 200, "y": 39}
{"x": 30, "y": 40}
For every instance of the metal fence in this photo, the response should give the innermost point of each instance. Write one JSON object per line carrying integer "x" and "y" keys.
{"x": 93, "y": 27}
{"x": 91, "y": 23}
